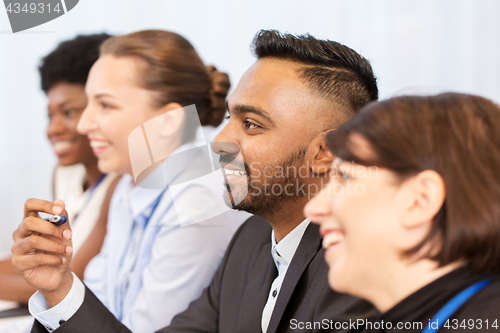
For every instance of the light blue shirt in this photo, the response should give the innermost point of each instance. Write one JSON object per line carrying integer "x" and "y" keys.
{"x": 151, "y": 266}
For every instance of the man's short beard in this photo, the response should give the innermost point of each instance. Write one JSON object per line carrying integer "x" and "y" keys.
{"x": 262, "y": 198}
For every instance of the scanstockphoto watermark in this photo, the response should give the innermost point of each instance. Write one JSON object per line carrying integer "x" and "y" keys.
{"x": 327, "y": 324}
{"x": 297, "y": 189}
{"x": 26, "y": 14}
{"x": 288, "y": 180}
{"x": 289, "y": 171}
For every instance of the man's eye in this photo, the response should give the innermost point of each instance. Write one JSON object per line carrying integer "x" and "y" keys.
{"x": 105, "y": 106}
{"x": 249, "y": 125}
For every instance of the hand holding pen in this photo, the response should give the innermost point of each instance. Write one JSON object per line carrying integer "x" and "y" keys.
{"x": 42, "y": 251}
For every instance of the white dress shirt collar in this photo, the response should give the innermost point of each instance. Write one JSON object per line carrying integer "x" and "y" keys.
{"x": 286, "y": 248}
{"x": 282, "y": 254}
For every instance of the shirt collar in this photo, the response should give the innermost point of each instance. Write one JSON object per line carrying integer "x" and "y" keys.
{"x": 287, "y": 246}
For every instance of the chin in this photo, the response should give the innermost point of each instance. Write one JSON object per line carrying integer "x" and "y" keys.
{"x": 105, "y": 166}
{"x": 237, "y": 195}
{"x": 338, "y": 279}
{"x": 237, "y": 190}
{"x": 67, "y": 161}
{"x": 339, "y": 286}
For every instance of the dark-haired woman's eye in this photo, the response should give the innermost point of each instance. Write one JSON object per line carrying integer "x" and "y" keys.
{"x": 344, "y": 176}
{"x": 105, "y": 106}
{"x": 227, "y": 117}
{"x": 249, "y": 125}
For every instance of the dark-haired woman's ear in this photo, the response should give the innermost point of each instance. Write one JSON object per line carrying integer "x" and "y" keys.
{"x": 424, "y": 197}
{"x": 320, "y": 158}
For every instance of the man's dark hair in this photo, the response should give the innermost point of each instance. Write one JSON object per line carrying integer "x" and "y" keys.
{"x": 334, "y": 70}
{"x": 71, "y": 61}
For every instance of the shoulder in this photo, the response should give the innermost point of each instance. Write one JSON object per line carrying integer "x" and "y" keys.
{"x": 109, "y": 179}
{"x": 484, "y": 305}
{"x": 70, "y": 170}
{"x": 254, "y": 228}
{"x": 122, "y": 187}
{"x": 249, "y": 239}
{"x": 68, "y": 181}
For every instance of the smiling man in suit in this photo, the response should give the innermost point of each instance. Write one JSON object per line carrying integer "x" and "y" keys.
{"x": 273, "y": 277}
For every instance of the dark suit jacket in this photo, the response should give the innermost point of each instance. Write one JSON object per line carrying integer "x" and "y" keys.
{"x": 234, "y": 301}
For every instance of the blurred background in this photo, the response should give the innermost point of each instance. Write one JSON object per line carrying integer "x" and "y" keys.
{"x": 415, "y": 46}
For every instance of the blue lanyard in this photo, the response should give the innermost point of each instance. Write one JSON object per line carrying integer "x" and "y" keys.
{"x": 154, "y": 206}
{"x": 121, "y": 292}
{"x": 97, "y": 184}
{"x": 449, "y": 309}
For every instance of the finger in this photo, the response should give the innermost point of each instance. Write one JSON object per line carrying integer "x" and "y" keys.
{"x": 62, "y": 205}
{"x": 37, "y": 243}
{"x": 34, "y": 224}
{"x": 33, "y": 206}
{"x": 26, "y": 262}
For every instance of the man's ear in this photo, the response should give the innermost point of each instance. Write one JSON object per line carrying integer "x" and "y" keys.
{"x": 426, "y": 193}
{"x": 172, "y": 119}
{"x": 320, "y": 158}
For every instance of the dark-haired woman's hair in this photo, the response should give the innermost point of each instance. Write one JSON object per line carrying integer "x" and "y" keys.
{"x": 174, "y": 70}
{"x": 71, "y": 61}
{"x": 330, "y": 68}
{"x": 456, "y": 135}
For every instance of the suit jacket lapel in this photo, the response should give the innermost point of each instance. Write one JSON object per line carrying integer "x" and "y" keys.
{"x": 256, "y": 292}
{"x": 308, "y": 248}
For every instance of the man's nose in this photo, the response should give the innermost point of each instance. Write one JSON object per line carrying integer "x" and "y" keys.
{"x": 225, "y": 148}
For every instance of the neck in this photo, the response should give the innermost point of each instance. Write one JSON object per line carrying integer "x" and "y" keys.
{"x": 292, "y": 214}
{"x": 404, "y": 279}
{"x": 92, "y": 174}
{"x": 286, "y": 219}
{"x": 167, "y": 151}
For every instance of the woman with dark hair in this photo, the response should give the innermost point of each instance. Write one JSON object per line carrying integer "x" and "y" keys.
{"x": 77, "y": 180}
{"x": 411, "y": 222}
{"x": 164, "y": 241}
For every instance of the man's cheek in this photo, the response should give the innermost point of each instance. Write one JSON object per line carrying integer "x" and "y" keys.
{"x": 255, "y": 171}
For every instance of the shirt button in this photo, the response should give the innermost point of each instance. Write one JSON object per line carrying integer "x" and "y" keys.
{"x": 62, "y": 321}
{"x": 275, "y": 292}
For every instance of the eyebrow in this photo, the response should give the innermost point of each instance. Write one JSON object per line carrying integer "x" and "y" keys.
{"x": 238, "y": 109}
{"x": 104, "y": 95}
{"x": 65, "y": 103}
